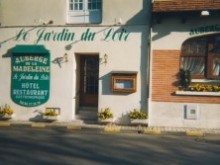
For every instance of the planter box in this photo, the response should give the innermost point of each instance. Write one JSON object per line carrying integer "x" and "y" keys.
{"x": 6, "y": 117}
{"x": 194, "y": 93}
{"x": 139, "y": 121}
{"x": 106, "y": 121}
{"x": 50, "y": 118}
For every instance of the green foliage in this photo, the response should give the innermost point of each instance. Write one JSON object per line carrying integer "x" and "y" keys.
{"x": 105, "y": 114}
{"x": 185, "y": 78}
{"x": 204, "y": 88}
{"x": 136, "y": 114}
{"x": 51, "y": 113}
{"x": 6, "y": 110}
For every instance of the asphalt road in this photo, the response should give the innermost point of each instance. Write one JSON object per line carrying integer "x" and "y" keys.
{"x": 32, "y": 146}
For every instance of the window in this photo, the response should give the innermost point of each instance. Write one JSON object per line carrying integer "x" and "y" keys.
{"x": 201, "y": 56}
{"x": 94, "y": 4}
{"x": 84, "y": 11}
{"x": 76, "y": 5}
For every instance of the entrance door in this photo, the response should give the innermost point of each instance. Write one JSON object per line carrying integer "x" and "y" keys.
{"x": 89, "y": 74}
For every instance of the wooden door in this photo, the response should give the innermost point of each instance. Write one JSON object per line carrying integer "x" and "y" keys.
{"x": 89, "y": 71}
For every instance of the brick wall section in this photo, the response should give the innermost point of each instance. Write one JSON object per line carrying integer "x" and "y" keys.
{"x": 185, "y": 5}
{"x": 165, "y": 68}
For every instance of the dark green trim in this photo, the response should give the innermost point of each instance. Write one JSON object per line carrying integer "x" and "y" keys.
{"x": 29, "y": 49}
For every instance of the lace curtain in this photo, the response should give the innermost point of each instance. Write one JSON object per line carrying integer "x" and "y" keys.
{"x": 216, "y": 67}
{"x": 195, "y": 65}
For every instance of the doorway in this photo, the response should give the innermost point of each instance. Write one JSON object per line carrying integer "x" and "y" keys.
{"x": 89, "y": 75}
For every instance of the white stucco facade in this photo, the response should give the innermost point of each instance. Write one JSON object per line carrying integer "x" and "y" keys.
{"x": 125, "y": 44}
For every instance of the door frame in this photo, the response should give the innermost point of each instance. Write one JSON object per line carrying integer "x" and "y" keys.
{"x": 79, "y": 77}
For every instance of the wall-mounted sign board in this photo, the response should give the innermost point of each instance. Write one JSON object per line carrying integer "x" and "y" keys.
{"x": 30, "y": 77}
{"x": 124, "y": 82}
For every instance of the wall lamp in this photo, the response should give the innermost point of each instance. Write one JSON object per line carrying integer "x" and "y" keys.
{"x": 48, "y": 23}
{"x": 60, "y": 60}
{"x": 205, "y": 13}
{"x": 105, "y": 58}
{"x": 65, "y": 56}
{"x": 43, "y": 22}
{"x": 118, "y": 21}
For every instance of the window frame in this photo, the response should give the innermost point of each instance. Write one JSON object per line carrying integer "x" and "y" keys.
{"x": 84, "y": 15}
{"x": 75, "y": 3}
{"x": 207, "y": 55}
{"x": 210, "y": 60}
{"x": 96, "y": 4}
{"x": 123, "y": 78}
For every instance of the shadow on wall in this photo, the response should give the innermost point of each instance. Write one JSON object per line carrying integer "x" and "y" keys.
{"x": 37, "y": 117}
{"x": 163, "y": 24}
{"x": 8, "y": 54}
{"x": 159, "y": 31}
{"x": 145, "y": 50}
{"x": 107, "y": 85}
{"x": 124, "y": 118}
{"x": 144, "y": 56}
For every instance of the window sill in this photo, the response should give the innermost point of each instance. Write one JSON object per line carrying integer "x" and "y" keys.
{"x": 191, "y": 93}
{"x": 205, "y": 81}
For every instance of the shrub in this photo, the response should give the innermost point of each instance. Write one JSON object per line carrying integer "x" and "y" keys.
{"x": 185, "y": 78}
{"x": 6, "y": 110}
{"x": 105, "y": 114}
{"x": 136, "y": 114}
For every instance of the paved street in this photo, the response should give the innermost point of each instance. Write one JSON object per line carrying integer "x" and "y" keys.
{"x": 59, "y": 146}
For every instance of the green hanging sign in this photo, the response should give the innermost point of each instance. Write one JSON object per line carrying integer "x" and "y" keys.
{"x": 30, "y": 85}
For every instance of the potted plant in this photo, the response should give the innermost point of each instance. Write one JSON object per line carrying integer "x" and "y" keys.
{"x": 138, "y": 117}
{"x": 204, "y": 88}
{"x": 6, "y": 112}
{"x": 105, "y": 116}
{"x": 185, "y": 79}
{"x": 51, "y": 114}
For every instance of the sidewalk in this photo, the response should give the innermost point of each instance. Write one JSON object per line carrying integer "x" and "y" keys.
{"x": 79, "y": 125}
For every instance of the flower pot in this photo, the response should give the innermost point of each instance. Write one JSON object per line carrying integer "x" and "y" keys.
{"x": 106, "y": 121}
{"x": 6, "y": 116}
{"x": 139, "y": 121}
{"x": 50, "y": 118}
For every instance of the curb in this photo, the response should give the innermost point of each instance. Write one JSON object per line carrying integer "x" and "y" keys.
{"x": 5, "y": 124}
{"x": 38, "y": 125}
{"x": 152, "y": 131}
{"x": 113, "y": 129}
{"x": 116, "y": 128}
{"x": 195, "y": 133}
{"x": 73, "y": 127}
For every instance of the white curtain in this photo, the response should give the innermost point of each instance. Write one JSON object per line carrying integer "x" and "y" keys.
{"x": 195, "y": 65}
{"x": 216, "y": 67}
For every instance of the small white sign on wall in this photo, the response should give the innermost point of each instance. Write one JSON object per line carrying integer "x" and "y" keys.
{"x": 191, "y": 112}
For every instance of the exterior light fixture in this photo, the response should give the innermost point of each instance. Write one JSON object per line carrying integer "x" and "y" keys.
{"x": 118, "y": 21}
{"x": 43, "y": 22}
{"x": 105, "y": 58}
{"x": 65, "y": 57}
{"x": 205, "y": 13}
{"x": 50, "y": 22}
{"x": 60, "y": 60}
